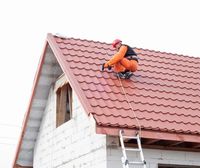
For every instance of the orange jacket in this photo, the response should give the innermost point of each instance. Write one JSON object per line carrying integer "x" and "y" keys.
{"x": 117, "y": 57}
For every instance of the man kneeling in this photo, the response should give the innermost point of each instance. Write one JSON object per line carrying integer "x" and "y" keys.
{"x": 124, "y": 62}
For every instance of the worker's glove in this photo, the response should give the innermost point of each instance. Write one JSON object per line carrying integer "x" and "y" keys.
{"x": 103, "y": 67}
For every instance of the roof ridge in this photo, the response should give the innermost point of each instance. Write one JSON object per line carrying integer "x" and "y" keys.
{"x": 106, "y": 53}
{"x": 81, "y": 39}
{"x": 140, "y": 48}
{"x": 168, "y": 53}
{"x": 76, "y": 44}
{"x": 83, "y": 55}
{"x": 87, "y": 51}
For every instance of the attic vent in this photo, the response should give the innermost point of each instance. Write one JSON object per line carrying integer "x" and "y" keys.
{"x": 63, "y": 103}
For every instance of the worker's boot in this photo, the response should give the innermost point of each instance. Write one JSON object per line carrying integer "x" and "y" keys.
{"x": 128, "y": 74}
{"x": 125, "y": 75}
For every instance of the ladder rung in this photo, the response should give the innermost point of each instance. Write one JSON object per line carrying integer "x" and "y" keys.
{"x": 137, "y": 163}
{"x": 132, "y": 149}
{"x": 129, "y": 137}
{"x": 125, "y": 161}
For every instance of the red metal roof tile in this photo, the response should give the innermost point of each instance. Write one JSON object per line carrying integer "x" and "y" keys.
{"x": 164, "y": 92}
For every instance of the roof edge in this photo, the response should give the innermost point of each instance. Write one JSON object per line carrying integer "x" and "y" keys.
{"x": 26, "y": 116}
{"x": 138, "y": 48}
{"x": 70, "y": 76}
{"x": 150, "y": 134}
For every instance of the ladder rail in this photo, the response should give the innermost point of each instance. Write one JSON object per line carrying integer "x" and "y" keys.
{"x": 125, "y": 161}
{"x": 141, "y": 152}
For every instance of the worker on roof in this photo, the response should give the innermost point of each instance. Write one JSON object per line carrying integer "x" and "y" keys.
{"x": 124, "y": 62}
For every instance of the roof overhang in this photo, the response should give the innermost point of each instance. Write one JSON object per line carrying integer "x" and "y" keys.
{"x": 47, "y": 72}
{"x": 155, "y": 136}
{"x": 150, "y": 134}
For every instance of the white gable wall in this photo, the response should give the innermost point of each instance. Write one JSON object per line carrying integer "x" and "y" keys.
{"x": 49, "y": 73}
{"x": 76, "y": 145}
{"x": 73, "y": 144}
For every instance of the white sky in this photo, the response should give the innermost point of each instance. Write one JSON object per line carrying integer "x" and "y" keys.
{"x": 167, "y": 25}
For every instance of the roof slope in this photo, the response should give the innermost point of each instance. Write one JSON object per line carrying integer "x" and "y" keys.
{"x": 164, "y": 92}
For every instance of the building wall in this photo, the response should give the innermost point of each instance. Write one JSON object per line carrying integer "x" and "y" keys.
{"x": 73, "y": 144}
{"x": 153, "y": 157}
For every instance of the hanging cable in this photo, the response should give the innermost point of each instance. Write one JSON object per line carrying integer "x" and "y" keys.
{"x": 128, "y": 101}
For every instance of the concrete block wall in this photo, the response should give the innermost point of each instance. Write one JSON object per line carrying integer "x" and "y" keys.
{"x": 73, "y": 145}
{"x": 76, "y": 145}
{"x": 153, "y": 157}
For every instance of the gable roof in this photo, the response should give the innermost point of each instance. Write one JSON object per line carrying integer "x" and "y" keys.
{"x": 164, "y": 92}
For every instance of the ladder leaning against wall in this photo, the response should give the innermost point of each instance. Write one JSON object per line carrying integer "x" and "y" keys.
{"x": 124, "y": 159}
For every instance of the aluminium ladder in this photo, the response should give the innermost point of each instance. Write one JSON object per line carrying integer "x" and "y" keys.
{"x": 125, "y": 161}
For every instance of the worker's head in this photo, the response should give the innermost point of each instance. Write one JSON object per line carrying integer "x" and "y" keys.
{"x": 117, "y": 43}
